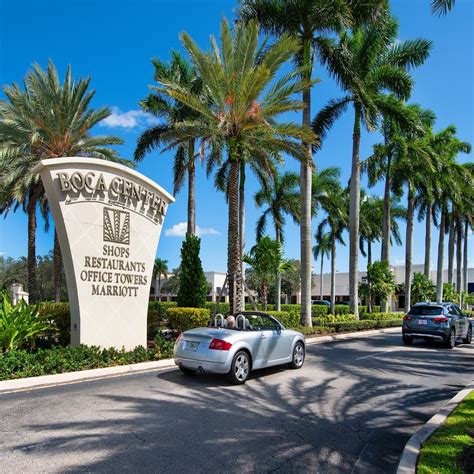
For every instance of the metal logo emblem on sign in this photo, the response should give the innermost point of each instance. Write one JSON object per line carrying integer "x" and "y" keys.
{"x": 116, "y": 226}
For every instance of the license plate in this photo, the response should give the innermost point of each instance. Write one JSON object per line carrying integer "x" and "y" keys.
{"x": 191, "y": 346}
{"x": 422, "y": 321}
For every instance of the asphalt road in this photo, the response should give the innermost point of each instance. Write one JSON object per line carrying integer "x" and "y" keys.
{"x": 351, "y": 408}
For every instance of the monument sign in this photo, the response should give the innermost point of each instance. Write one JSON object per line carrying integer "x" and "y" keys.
{"x": 108, "y": 218}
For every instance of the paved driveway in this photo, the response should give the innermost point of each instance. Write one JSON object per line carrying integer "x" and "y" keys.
{"x": 351, "y": 408}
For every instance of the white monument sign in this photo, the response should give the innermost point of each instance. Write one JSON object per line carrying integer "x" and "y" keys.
{"x": 108, "y": 219}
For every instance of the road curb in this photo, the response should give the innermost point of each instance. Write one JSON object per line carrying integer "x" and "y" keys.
{"x": 310, "y": 340}
{"x": 31, "y": 383}
{"x": 409, "y": 457}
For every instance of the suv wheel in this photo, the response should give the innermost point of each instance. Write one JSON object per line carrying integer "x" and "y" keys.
{"x": 468, "y": 338}
{"x": 407, "y": 340}
{"x": 450, "y": 341}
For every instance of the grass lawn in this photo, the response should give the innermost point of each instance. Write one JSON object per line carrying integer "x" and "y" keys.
{"x": 450, "y": 449}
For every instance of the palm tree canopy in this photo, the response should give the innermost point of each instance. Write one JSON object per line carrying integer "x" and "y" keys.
{"x": 281, "y": 198}
{"x": 160, "y": 267}
{"x": 371, "y": 67}
{"x": 323, "y": 246}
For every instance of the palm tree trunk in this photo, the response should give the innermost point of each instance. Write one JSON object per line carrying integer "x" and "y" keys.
{"x": 191, "y": 190}
{"x": 57, "y": 268}
{"x": 159, "y": 287}
{"x": 278, "y": 275}
{"x": 459, "y": 285}
{"x": 409, "y": 247}
{"x": 321, "y": 279}
{"x": 305, "y": 189}
{"x": 369, "y": 285}
{"x": 354, "y": 217}
{"x": 234, "y": 267}
{"x": 385, "y": 255}
{"x": 428, "y": 241}
{"x": 466, "y": 237}
{"x": 242, "y": 228}
{"x": 440, "y": 265}
{"x": 31, "y": 260}
{"x": 333, "y": 274}
{"x": 451, "y": 242}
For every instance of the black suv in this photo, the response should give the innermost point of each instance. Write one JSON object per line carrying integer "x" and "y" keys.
{"x": 442, "y": 322}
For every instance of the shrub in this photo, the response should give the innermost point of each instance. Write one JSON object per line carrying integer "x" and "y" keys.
{"x": 289, "y": 320}
{"x": 381, "y": 316}
{"x": 164, "y": 347}
{"x": 19, "y": 324}
{"x": 364, "y": 324}
{"x": 314, "y": 330}
{"x": 20, "y": 363}
{"x": 182, "y": 319}
{"x": 222, "y": 308}
{"x": 192, "y": 281}
{"x": 331, "y": 318}
{"x": 318, "y": 310}
{"x": 342, "y": 309}
{"x": 58, "y": 314}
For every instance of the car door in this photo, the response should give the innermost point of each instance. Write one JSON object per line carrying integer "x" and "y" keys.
{"x": 463, "y": 320}
{"x": 279, "y": 343}
{"x": 458, "y": 320}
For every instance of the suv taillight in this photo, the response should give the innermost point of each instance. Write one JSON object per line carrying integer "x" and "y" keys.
{"x": 220, "y": 345}
{"x": 440, "y": 319}
{"x": 407, "y": 317}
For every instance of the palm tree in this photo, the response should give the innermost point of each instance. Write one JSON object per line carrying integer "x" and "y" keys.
{"x": 367, "y": 62}
{"x": 322, "y": 250}
{"x": 281, "y": 198}
{"x": 442, "y": 7}
{"x": 45, "y": 119}
{"x": 179, "y": 71}
{"x": 336, "y": 208}
{"x": 266, "y": 260}
{"x": 239, "y": 109}
{"x": 450, "y": 178}
{"x": 308, "y": 21}
{"x": 160, "y": 268}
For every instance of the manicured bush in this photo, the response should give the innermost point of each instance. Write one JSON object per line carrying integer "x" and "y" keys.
{"x": 288, "y": 320}
{"x": 381, "y": 316}
{"x": 58, "y": 314}
{"x": 20, "y": 363}
{"x": 364, "y": 324}
{"x": 250, "y": 307}
{"x": 333, "y": 318}
{"x": 314, "y": 330}
{"x": 182, "y": 319}
{"x": 318, "y": 310}
{"x": 222, "y": 308}
{"x": 342, "y": 309}
{"x": 192, "y": 281}
{"x": 164, "y": 346}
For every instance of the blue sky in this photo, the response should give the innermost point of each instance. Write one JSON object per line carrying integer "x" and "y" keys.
{"x": 113, "y": 42}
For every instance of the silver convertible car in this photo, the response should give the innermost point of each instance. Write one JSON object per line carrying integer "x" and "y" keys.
{"x": 238, "y": 344}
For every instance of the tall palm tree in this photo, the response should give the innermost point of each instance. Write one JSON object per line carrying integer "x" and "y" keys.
{"x": 442, "y": 7}
{"x": 238, "y": 109}
{"x": 308, "y": 21}
{"x": 336, "y": 220}
{"x": 450, "y": 178}
{"x": 367, "y": 62}
{"x": 40, "y": 120}
{"x": 179, "y": 71}
{"x": 281, "y": 198}
{"x": 322, "y": 250}
{"x": 160, "y": 268}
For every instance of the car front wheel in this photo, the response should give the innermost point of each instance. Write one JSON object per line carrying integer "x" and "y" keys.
{"x": 450, "y": 341}
{"x": 297, "y": 360}
{"x": 240, "y": 368}
{"x": 468, "y": 338}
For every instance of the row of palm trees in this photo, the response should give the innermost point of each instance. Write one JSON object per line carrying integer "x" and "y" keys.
{"x": 221, "y": 108}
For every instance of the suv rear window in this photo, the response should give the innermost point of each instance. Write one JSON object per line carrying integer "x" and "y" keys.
{"x": 425, "y": 310}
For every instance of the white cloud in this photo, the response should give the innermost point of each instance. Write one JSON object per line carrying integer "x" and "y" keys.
{"x": 130, "y": 119}
{"x": 179, "y": 230}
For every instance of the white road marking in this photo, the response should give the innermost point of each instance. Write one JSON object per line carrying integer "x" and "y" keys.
{"x": 373, "y": 355}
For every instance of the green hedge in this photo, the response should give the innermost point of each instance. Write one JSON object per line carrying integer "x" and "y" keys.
{"x": 381, "y": 316}
{"x": 18, "y": 364}
{"x": 182, "y": 319}
{"x": 331, "y": 318}
{"x": 364, "y": 324}
{"x": 288, "y": 320}
{"x": 222, "y": 308}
